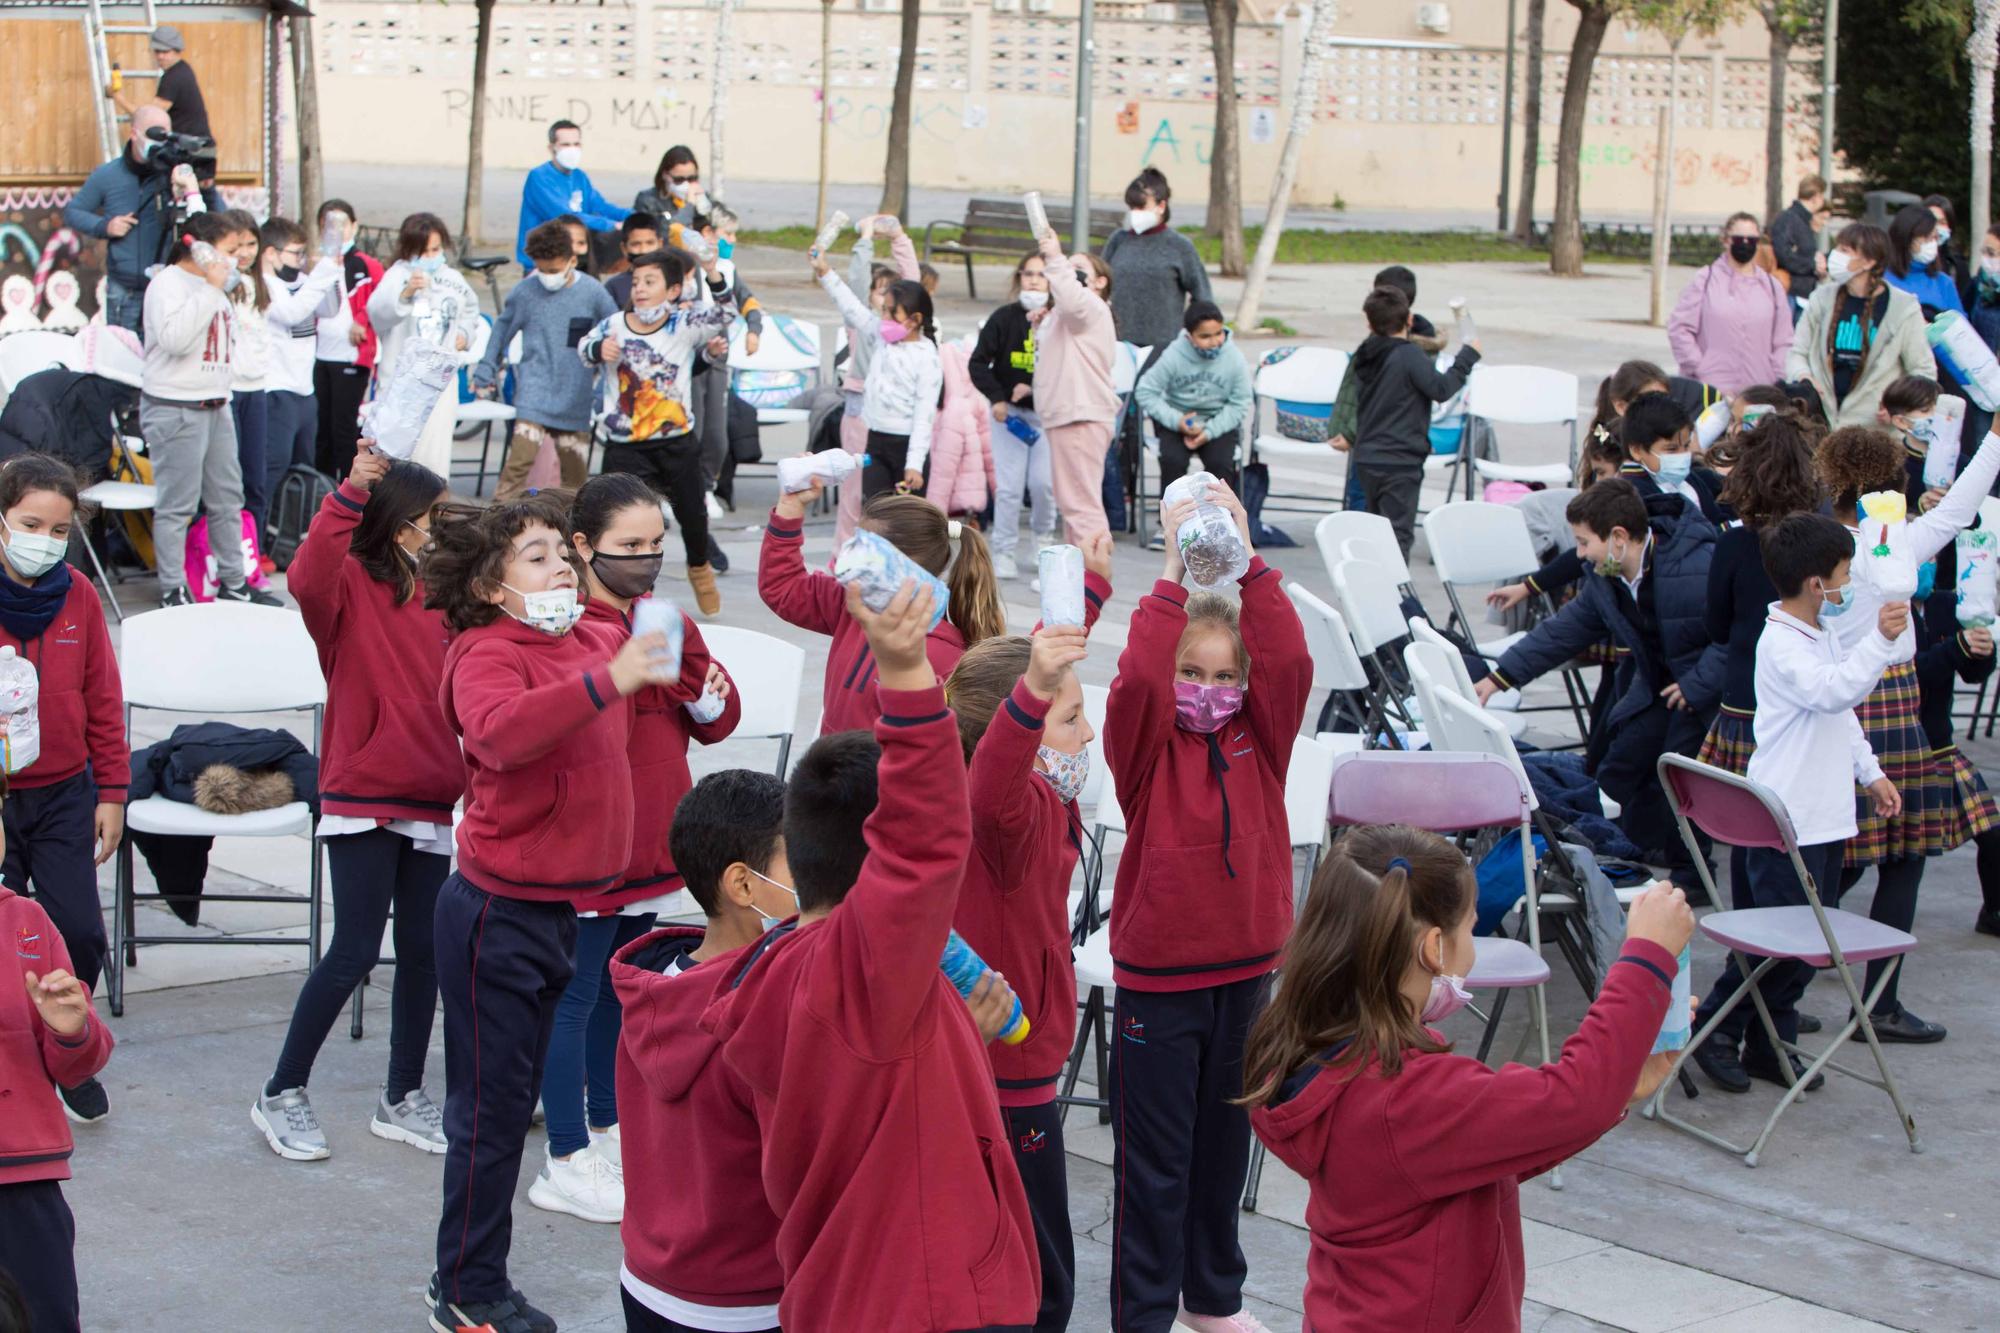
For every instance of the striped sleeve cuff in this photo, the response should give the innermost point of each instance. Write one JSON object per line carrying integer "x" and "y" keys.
{"x": 1504, "y": 683}
{"x": 912, "y": 708}
{"x": 1169, "y": 591}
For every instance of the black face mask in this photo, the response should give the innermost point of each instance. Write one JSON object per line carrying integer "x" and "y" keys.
{"x": 288, "y": 273}
{"x": 1743, "y": 249}
{"x": 626, "y": 575}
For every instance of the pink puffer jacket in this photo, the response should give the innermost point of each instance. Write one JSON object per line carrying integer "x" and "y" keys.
{"x": 961, "y": 441}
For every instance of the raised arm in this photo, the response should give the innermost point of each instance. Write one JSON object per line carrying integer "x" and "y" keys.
{"x": 1928, "y": 533}
{"x": 1828, "y": 686}
{"x": 1439, "y": 385}
{"x": 314, "y": 576}
{"x": 182, "y": 327}
{"x": 1281, "y": 664}
{"x": 311, "y": 297}
{"x": 1139, "y": 717}
{"x": 853, "y": 311}
{"x": 903, "y": 254}
{"x": 799, "y": 596}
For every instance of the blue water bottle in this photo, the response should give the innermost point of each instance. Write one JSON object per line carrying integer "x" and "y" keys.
{"x": 963, "y": 968}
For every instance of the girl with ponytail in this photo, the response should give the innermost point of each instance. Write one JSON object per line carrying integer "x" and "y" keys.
{"x": 814, "y": 600}
{"x": 1412, "y": 1153}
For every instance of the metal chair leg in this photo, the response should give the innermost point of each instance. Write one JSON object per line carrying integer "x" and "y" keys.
{"x": 122, "y": 881}
{"x": 354, "y": 1019}
{"x": 89, "y": 549}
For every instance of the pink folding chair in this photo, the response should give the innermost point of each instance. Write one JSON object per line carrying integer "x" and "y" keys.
{"x": 1743, "y": 813}
{"x": 1449, "y": 792}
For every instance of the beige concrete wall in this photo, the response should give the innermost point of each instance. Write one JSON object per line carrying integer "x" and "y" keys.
{"x": 1401, "y": 123}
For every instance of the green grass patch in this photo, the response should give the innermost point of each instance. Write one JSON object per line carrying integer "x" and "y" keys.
{"x": 1272, "y": 324}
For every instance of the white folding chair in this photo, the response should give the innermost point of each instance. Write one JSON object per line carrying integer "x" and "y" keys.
{"x": 117, "y": 497}
{"x": 1332, "y": 533}
{"x": 1300, "y": 381}
{"x": 769, "y": 673}
{"x": 480, "y": 416}
{"x": 1087, "y": 902}
{"x": 1126, "y": 361}
{"x": 1308, "y": 780}
{"x": 1517, "y": 396}
{"x": 1386, "y": 554}
{"x": 1337, "y": 668}
{"x": 1365, "y": 596}
{"x": 1501, "y": 705}
{"x": 191, "y": 659}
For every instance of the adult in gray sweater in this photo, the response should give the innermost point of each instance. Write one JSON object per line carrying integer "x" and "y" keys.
{"x": 552, "y": 309}
{"x": 1155, "y": 271}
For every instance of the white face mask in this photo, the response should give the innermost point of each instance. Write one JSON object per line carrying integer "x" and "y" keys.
{"x": 1990, "y": 265}
{"x": 1926, "y": 253}
{"x": 1036, "y": 300}
{"x": 32, "y": 554}
{"x": 569, "y": 159}
{"x": 554, "y": 282}
{"x": 1839, "y": 266}
{"x": 770, "y": 921}
{"x": 553, "y": 611}
{"x": 650, "y": 314}
{"x": 1143, "y": 220}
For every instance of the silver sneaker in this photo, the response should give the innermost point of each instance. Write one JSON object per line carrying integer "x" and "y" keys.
{"x": 290, "y": 1126}
{"x": 415, "y": 1120}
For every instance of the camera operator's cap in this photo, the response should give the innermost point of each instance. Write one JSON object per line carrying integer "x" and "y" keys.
{"x": 166, "y": 38}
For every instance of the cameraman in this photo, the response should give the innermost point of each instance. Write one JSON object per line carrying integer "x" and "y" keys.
{"x": 127, "y": 202}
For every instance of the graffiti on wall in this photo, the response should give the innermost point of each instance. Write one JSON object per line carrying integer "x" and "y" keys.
{"x": 945, "y": 122}
{"x": 1691, "y": 166}
{"x": 1166, "y": 144}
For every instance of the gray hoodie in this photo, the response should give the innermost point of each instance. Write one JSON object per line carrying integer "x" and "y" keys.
{"x": 552, "y": 387}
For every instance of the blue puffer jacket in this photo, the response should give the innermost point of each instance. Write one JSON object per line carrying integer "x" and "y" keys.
{"x": 1683, "y": 545}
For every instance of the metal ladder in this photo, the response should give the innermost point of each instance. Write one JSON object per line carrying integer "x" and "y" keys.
{"x": 97, "y": 34}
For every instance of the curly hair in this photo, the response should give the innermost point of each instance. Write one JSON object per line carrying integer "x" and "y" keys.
{"x": 1773, "y": 474}
{"x": 470, "y": 545}
{"x": 1855, "y": 460}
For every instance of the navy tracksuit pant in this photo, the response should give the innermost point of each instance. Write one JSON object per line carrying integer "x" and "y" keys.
{"x": 38, "y": 1250}
{"x": 52, "y": 845}
{"x": 1182, "y": 1151}
{"x": 502, "y": 964}
{"x": 1035, "y": 1133}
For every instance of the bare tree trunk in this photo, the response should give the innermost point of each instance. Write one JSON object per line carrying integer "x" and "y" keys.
{"x": 1774, "y": 116}
{"x": 305, "y": 92}
{"x": 825, "y": 86}
{"x": 1531, "y": 122}
{"x": 896, "y": 172}
{"x": 1983, "y": 49}
{"x": 1305, "y": 100}
{"x": 1566, "y": 236}
{"x": 1225, "y": 158}
{"x": 718, "y": 108}
{"x": 1663, "y": 187}
{"x": 475, "y": 148}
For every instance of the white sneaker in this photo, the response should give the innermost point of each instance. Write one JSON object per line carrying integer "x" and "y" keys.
{"x": 611, "y": 1147}
{"x": 585, "y": 1186}
{"x": 1004, "y": 566}
{"x": 290, "y": 1126}
{"x": 416, "y": 1120}
{"x": 714, "y": 505}
{"x": 1240, "y": 1322}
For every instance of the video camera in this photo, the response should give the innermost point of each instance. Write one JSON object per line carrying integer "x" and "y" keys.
{"x": 194, "y": 150}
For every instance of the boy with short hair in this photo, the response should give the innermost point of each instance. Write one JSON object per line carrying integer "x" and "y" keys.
{"x": 1395, "y": 386}
{"x": 1660, "y": 459}
{"x": 1812, "y": 753}
{"x": 552, "y": 311}
{"x": 344, "y": 347}
{"x": 640, "y": 234}
{"x": 700, "y": 1240}
{"x": 900, "y": 1209}
{"x": 55, "y": 1039}
{"x": 1645, "y": 587}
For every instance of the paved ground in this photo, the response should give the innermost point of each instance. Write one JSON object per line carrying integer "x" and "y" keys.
{"x": 185, "y": 1220}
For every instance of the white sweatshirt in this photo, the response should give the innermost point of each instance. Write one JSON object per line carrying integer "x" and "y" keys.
{"x": 252, "y": 359}
{"x": 1811, "y": 749}
{"x": 904, "y": 379}
{"x": 293, "y": 316}
{"x": 189, "y": 332}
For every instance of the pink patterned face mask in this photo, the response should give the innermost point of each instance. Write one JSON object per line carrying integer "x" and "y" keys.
{"x": 894, "y": 330}
{"x": 1205, "y": 708}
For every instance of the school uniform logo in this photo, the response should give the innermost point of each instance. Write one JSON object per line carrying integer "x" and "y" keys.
{"x": 1134, "y": 1031}
{"x": 66, "y": 634}
{"x": 1240, "y": 738}
{"x": 1034, "y": 1141}
{"x": 28, "y": 944}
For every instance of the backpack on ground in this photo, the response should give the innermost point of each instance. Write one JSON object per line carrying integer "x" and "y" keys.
{"x": 301, "y": 491}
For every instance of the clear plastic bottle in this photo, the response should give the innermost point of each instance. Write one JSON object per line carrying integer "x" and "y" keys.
{"x": 830, "y": 233}
{"x": 1038, "y": 217}
{"x": 333, "y": 235}
{"x": 659, "y": 615}
{"x": 20, "y": 714}
{"x": 1061, "y": 568}
{"x": 1468, "y": 332}
{"x": 1210, "y": 546}
{"x": 963, "y": 968}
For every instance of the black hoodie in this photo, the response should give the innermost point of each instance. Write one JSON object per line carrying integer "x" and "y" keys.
{"x": 1398, "y": 383}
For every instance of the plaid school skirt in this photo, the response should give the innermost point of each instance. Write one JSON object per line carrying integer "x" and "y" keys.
{"x": 1972, "y": 804}
{"x": 1731, "y": 740}
{"x": 1931, "y": 822}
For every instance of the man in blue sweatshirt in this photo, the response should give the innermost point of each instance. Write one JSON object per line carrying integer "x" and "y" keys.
{"x": 559, "y": 186}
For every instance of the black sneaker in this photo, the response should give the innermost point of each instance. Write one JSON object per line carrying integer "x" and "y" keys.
{"x": 537, "y": 1321}
{"x": 176, "y": 596}
{"x": 1723, "y": 1066}
{"x": 717, "y": 561}
{"x": 1808, "y": 1025}
{"x": 1987, "y": 922}
{"x": 86, "y": 1103}
{"x": 243, "y": 592}
{"x": 1904, "y": 1027}
{"x": 1770, "y": 1073}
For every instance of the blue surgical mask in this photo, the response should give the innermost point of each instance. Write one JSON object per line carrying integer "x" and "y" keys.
{"x": 724, "y": 248}
{"x": 1830, "y": 609}
{"x": 772, "y": 922}
{"x": 428, "y": 264}
{"x": 1674, "y": 468}
{"x": 1926, "y": 579}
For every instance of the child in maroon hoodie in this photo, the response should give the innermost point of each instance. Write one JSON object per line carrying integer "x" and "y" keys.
{"x": 814, "y": 601}
{"x": 1022, "y": 725}
{"x": 52, "y": 1037}
{"x": 390, "y": 773}
{"x": 539, "y": 701}
{"x": 618, "y": 533}
{"x": 1198, "y": 751}
{"x": 900, "y": 1210}
{"x": 1415, "y": 1156}
{"x": 71, "y": 800}
{"x": 701, "y": 1243}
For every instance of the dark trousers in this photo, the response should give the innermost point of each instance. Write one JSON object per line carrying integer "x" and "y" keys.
{"x": 292, "y": 431}
{"x": 638, "y": 1319}
{"x": 339, "y": 387}
{"x": 1895, "y": 905}
{"x": 1113, "y": 488}
{"x": 1218, "y": 457}
{"x": 1629, "y": 774}
{"x": 1989, "y": 869}
{"x": 370, "y": 872}
{"x": 252, "y": 411}
{"x": 502, "y": 964}
{"x": 51, "y": 847}
{"x": 38, "y": 1250}
{"x": 1393, "y": 491}
{"x": 1036, "y": 1135}
{"x": 672, "y": 468}
{"x": 1182, "y": 1151}
{"x": 583, "y": 1046}
{"x": 1773, "y": 883}
{"x": 887, "y": 455}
